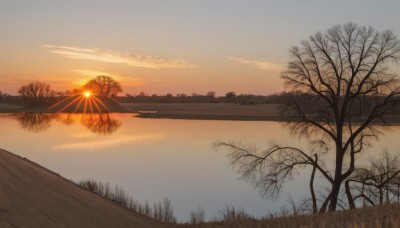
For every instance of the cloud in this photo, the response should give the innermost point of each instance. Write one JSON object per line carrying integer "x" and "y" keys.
{"x": 263, "y": 65}
{"x": 125, "y": 80}
{"x": 110, "y": 56}
{"x": 101, "y": 144}
{"x": 91, "y": 73}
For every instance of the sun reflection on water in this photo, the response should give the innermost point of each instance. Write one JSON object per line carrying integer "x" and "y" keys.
{"x": 99, "y": 123}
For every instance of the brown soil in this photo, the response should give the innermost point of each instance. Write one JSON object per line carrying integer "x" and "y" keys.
{"x": 32, "y": 196}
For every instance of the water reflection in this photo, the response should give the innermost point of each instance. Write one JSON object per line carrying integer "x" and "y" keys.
{"x": 34, "y": 122}
{"x": 99, "y": 123}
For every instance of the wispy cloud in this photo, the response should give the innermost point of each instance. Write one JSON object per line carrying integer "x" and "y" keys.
{"x": 111, "y": 56}
{"x": 91, "y": 73}
{"x": 101, "y": 144}
{"x": 125, "y": 80}
{"x": 263, "y": 65}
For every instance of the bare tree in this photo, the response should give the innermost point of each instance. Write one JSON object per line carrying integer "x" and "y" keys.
{"x": 269, "y": 169}
{"x": 36, "y": 93}
{"x": 104, "y": 86}
{"x": 340, "y": 85}
{"x": 377, "y": 181}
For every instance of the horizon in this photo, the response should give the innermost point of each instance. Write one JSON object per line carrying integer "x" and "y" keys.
{"x": 199, "y": 113}
{"x": 168, "y": 47}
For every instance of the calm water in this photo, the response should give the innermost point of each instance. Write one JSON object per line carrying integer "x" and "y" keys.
{"x": 154, "y": 158}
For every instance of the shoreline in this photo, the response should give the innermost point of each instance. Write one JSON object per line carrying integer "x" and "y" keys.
{"x": 191, "y": 111}
{"x": 33, "y": 195}
{"x": 205, "y": 117}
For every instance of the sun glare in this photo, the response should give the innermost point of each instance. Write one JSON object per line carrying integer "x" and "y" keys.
{"x": 87, "y": 94}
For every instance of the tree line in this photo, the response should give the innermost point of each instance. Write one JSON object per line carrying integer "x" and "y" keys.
{"x": 40, "y": 94}
{"x": 37, "y": 93}
{"x": 209, "y": 97}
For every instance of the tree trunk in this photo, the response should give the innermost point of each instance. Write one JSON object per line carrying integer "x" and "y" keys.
{"x": 338, "y": 176}
{"x": 335, "y": 195}
{"x": 314, "y": 199}
{"x": 349, "y": 196}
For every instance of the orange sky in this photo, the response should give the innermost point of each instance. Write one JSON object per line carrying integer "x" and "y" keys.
{"x": 166, "y": 47}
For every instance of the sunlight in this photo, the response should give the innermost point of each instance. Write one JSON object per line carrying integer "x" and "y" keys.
{"x": 87, "y": 94}
{"x": 87, "y": 102}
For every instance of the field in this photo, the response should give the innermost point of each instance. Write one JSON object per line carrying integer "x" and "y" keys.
{"x": 213, "y": 111}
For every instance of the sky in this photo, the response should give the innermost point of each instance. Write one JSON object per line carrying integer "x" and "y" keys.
{"x": 169, "y": 46}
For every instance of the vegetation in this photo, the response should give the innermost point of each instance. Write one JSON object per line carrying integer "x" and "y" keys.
{"x": 36, "y": 94}
{"x": 2, "y": 96}
{"x": 231, "y": 214}
{"x": 197, "y": 216}
{"x": 104, "y": 86}
{"x": 368, "y": 217}
{"x": 339, "y": 86}
{"x": 376, "y": 183}
{"x": 162, "y": 210}
{"x": 210, "y": 97}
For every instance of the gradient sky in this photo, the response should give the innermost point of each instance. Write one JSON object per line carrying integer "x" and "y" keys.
{"x": 175, "y": 46}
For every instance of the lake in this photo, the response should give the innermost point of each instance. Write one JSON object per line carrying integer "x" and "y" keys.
{"x": 155, "y": 158}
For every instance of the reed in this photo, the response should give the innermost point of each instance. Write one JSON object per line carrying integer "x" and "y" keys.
{"x": 161, "y": 211}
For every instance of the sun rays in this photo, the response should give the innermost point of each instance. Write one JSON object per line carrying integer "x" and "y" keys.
{"x": 87, "y": 102}
{"x": 87, "y": 94}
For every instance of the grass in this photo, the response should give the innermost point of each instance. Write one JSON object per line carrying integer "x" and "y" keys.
{"x": 161, "y": 211}
{"x": 197, "y": 216}
{"x": 369, "y": 217}
{"x": 379, "y": 216}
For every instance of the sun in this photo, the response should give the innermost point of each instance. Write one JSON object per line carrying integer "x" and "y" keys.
{"x": 87, "y": 94}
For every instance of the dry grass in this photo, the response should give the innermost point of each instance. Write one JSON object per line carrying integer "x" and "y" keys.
{"x": 197, "y": 216}
{"x": 161, "y": 211}
{"x": 369, "y": 217}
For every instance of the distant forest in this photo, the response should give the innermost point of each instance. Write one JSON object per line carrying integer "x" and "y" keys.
{"x": 210, "y": 97}
{"x": 231, "y": 97}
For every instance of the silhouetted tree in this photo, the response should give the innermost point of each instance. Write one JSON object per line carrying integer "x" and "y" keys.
{"x": 344, "y": 85}
{"x": 211, "y": 94}
{"x": 36, "y": 93}
{"x": 230, "y": 95}
{"x": 377, "y": 180}
{"x": 104, "y": 86}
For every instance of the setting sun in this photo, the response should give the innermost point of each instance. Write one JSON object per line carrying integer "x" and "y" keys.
{"x": 87, "y": 94}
